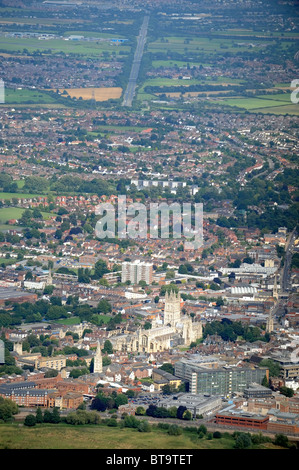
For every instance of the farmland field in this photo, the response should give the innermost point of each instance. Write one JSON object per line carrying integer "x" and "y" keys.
{"x": 278, "y": 104}
{"x": 88, "y": 49}
{"x": 100, "y": 94}
{"x": 251, "y": 103}
{"x": 211, "y": 45}
{"x": 291, "y": 109}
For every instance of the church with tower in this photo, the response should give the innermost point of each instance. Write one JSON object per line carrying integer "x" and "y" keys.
{"x": 174, "y": 329}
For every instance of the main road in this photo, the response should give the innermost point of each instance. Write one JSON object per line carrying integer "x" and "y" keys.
{"x": 130, "y": 90}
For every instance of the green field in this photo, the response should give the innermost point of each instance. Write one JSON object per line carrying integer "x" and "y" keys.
{"x": 250, "y": 103}
{"x": 278, "y": 104}
{"x": 61, "y": 436}
{"x": 9, "y": 213}
{"x": 291, "y": 109}
{"x": 25, "y": 96}
{"x": 19, "y": 195}
{"x": 251, "y": 33}
{"x": 76, "y": 320}
{"x": 7, "y": 261}
{"x": 69, "y": 321}
{"x": 87, "y": 49}
{"x": 284, "y": 97}
{"x": 208, "y": 45}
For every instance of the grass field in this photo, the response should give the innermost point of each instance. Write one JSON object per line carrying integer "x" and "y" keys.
{"x": 208, "y": 45}
{"x": 284, "y": 97}
{"x": 7, "y": 261}
{"x": 100, "y": 94}
{"x": 277, "y": 104}
{"x": 102, "y": 437}
{"x": 87, "y": 49}
{"x": 76, "y": 320}
{"x": 251, "y": 103}
{"x": 15, "y": 213}
{"x": 69, "y": 321}
{"x": 19, "y": 195}
{"x": 25, "y": 96}
{"x": 291, "y": 109}
{"x": 168, "y": 82}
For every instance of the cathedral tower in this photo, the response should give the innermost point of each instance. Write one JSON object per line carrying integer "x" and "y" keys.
{"x": 172, "y": 308}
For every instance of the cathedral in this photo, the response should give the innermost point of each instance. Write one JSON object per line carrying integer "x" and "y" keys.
{"x": 174, "y": 329}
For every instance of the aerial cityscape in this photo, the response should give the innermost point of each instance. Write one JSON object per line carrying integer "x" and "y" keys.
{"x": 149, "y": 245}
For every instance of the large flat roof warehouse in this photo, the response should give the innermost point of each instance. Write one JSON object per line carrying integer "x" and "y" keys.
{"x": 197, "y": 404}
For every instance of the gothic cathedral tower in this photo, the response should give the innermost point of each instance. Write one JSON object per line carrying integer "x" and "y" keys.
{"x": 172, "y": 308}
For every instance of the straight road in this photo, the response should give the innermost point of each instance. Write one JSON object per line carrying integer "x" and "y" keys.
{"x": 130, "y": 90}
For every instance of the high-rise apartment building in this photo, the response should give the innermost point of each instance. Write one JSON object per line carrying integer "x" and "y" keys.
{"x": 217, "y": 379}
{"x": 137, "y": 271}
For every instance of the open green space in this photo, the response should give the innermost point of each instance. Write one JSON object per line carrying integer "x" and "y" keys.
{"x": 285, "y": 97}
{"x": 69, "y": 321}
{"x": 291, "y": 109}
{"x": 202, "y": 44}
{"x": 14, "y": 436}
{"x": 10, "y": 213}
{"x": 26, "y": 96}
{"x": 10, "y": 196}
{"x": 7, "y": 261}
{"x": 5, "y": 227}
{"x": 84, "y": 48}
{"x": 247, "y": 33}
{"x": 76, "y": 320}
{"x": 170, "y": 82}
{"x": 264, "y": 104}
{"x": 251, "y": 103}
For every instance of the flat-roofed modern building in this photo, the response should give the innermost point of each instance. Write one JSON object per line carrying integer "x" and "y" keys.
{"x": 234, "y": 417}
{"x": 197, "y": 404}
{"x": 257, "y": 391}
{"x": 216, "y": 379}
